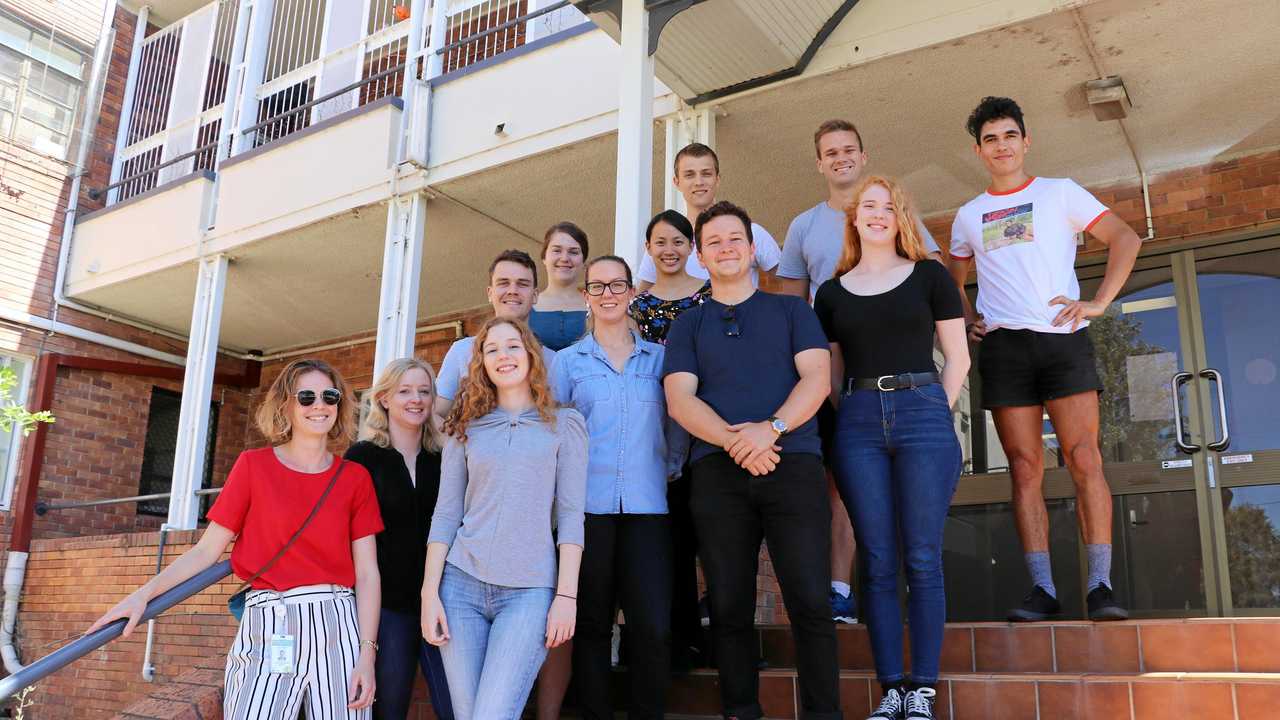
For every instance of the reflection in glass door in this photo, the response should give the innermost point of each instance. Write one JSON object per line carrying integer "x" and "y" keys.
{"x": 1239, "y": 296}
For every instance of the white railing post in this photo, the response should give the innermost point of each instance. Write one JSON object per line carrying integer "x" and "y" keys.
{"x": 635, "y": 133}
{"x": 401, "y": 275}
{"x": 439, "y": 31}
{"x": 126, "y": 105}
{"x": 254, "y": 65}
{"x": 197, "y": 393}
{"x": 415, "y": 92}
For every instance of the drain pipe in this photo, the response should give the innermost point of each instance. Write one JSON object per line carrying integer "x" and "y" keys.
{"x": 15, "y": 571}
{"x": 1096, "y": 60}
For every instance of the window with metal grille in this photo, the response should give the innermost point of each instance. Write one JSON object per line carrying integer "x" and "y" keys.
{"x": 161, "y": 447}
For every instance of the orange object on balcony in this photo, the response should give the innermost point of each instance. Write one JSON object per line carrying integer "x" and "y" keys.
{"x": 401, "y": 12}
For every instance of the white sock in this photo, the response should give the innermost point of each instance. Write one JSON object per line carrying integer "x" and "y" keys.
{"x": 841, "y": 588}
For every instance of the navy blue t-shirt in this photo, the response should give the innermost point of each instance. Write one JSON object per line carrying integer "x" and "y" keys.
{"x": 748, "y": 377}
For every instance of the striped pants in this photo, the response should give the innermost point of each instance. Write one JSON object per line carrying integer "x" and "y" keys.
{"x": 322, "y": 621}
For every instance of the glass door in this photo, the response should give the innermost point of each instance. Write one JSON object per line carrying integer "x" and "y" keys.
{"x": 1238, "y": 289}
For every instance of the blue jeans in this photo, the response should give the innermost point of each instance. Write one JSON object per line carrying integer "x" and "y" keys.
{"x": 401, "y": 651}
{"x": 497, "y": 642}
{"x": 897, "y": 462}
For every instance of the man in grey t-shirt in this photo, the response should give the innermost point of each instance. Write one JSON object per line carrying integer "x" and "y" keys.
{"x": 512, "y": 291}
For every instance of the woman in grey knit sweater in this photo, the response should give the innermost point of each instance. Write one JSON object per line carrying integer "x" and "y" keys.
{"x": 494, "y": 598}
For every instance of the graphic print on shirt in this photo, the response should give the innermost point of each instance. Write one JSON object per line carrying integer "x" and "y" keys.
{"x": 1010, "y": 226}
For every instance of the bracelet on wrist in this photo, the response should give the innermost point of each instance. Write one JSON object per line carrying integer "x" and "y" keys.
{"x": 569, "y": 597}
{"x": 370, "y": 643}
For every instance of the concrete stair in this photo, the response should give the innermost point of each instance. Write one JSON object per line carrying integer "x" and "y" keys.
{"x": 1201, "y": 669}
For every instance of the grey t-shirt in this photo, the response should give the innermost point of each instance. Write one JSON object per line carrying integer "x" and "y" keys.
{"x": 454, "y": 366}
{"x": 815, "y": 241}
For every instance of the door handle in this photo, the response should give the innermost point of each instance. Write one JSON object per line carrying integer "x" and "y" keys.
{"x": 1223, "y": 442}
{"x": 1179, "y": 379}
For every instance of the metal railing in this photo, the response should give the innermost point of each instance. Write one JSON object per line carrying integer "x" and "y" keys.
{"x": 321, "y": 58}
{"x": 44, "y": 508}
{"x": 78, "y": 648}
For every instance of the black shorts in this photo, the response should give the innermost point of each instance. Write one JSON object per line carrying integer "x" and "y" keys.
{"x": 1025, "y": 367}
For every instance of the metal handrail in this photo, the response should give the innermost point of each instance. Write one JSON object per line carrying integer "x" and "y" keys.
{"x": 325, "y": 98}
{"x": 43, "y": 507}
{"x": 503, "y": 26}
{"x": 86, "y": 644}
{"x": 97, "y": 193}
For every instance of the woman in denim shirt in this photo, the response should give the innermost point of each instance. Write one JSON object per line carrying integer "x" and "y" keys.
{"x": 612, "y": 377}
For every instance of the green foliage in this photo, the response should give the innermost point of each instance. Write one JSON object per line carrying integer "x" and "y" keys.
{"x": 12, "y": 414}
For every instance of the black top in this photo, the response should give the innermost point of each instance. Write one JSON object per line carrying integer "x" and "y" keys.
{"x": 654, "y": 316}
{"x": 891, "y": 332}
{"x": 748, "y": 377}
{"x": 406, "y": 512}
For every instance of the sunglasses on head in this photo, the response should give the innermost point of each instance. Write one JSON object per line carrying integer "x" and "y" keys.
{"x": 307, "y": 398}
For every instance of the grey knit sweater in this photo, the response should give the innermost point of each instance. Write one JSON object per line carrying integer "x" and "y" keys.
{"x": 498, "y": 491}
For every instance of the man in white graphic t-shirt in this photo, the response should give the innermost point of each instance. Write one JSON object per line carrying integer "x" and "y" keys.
{"x": 1034, "y": 353}
{"x": 697, "y": 177}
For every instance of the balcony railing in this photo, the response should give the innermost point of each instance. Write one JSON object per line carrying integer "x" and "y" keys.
{"x": 321, "y": 58}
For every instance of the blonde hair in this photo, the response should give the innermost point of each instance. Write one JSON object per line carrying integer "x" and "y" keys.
{"x": 908, "y": 240}
{"x": 272, "y": 417}
{"x": 478, "y": 396}
{"x": 377, "y": 425}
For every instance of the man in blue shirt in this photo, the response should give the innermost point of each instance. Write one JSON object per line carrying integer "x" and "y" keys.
{"x": 744, "y": 374}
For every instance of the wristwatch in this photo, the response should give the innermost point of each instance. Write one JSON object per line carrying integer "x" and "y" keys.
{"x": 778, "y": 424}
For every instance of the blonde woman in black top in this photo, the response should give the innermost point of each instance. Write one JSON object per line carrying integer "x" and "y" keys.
{"x": 400, "y": 447}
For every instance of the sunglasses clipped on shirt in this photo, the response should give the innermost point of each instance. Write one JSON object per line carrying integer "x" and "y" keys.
{"x": 307, "y": 398}
{"x": 730, "y": 317}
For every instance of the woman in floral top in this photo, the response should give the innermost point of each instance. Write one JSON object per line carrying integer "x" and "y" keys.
{"x": 668, "y": 240}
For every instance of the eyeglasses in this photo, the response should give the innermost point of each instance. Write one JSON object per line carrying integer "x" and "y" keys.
{"x": 730, "y": 316}
{"x": 307, "y": 398}
{"x": 617, "y": 287}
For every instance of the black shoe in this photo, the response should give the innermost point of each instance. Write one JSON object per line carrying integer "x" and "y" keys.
{"x": 891, "y": 706}
{"x": 1037, "y": 605}
{"x": 919, "y": 704}
{"x": 1103, "y": 605}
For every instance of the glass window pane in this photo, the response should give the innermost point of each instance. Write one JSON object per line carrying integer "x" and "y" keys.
{"x": 54, "y": 85}
{"x": 11, "y": 441}
{"x": 1252, "y": 518}
{"x": 1156, "y": 563}
{"x": 10, "y": 65}
{"x": 983, "y": 561}
{"x": 41, "y": 139}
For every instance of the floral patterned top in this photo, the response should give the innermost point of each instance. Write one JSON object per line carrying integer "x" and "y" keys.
{"x": 654, "y": 315}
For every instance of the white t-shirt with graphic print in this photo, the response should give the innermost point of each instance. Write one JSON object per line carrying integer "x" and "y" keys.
{"x": 1024, "y": 242}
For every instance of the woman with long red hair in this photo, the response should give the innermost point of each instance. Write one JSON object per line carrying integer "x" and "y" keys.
{"x": 895, "y": 452}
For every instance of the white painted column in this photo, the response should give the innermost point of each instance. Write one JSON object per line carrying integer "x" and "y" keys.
{"x": 635, "y": 134}
{"x": 253, "y": 66}
{"x": 126, "y": 105}
{"x": 401, "y": 275}
{"x": 197, "y": 392}
{"x": 415, "y": 124}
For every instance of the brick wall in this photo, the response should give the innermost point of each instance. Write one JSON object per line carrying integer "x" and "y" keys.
{"x": 71, "y": 581}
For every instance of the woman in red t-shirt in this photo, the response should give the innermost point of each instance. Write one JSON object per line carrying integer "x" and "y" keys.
{"x": 306, "y": 635}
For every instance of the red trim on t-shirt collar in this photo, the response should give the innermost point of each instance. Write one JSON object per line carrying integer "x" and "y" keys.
{"x": 1020, "y": 188}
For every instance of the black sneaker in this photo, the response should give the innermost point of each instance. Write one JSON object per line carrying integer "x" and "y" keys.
{"x": 1037, "y": 605}
{"x": 919, "y": 704}
{"x": 891, "y": 706}
{"x": 1103, "y": 605}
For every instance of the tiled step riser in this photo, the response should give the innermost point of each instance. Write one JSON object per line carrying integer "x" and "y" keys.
{"x": 1131, "y": 647}
{"x": 1013, "y": 698}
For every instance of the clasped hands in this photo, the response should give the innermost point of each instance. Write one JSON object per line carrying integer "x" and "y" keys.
{"x": 753, "y": 447}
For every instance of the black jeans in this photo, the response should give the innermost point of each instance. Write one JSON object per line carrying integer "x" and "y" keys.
{"x": 401, "y": 651}
{"x": 686, "y": 626}
{"x": 790, "y": 510}
{"x": 626, "y": 560}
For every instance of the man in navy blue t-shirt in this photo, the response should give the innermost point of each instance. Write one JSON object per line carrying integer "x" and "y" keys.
{"x": 744, "y": 374}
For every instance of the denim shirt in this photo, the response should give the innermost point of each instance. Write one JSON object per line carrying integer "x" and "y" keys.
{"x": 633, "y": 447}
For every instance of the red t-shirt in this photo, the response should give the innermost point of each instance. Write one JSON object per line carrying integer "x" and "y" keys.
{"x": 265, "y": 503}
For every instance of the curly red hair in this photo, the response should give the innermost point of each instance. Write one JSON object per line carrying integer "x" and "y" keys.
{"x": 478, "y": 396}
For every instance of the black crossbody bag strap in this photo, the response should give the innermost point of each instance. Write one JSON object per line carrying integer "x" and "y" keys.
{"x": 314, "y": 510}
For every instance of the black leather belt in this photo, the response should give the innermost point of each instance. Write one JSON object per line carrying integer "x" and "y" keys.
{"x": 889, "y": 383}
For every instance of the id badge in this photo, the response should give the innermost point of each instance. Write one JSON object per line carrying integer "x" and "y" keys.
{"x": 281, "y": 654}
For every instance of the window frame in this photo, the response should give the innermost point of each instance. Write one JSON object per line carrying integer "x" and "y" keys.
{"x": 22, "y": 393}
{"x": 30, "y": 65}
